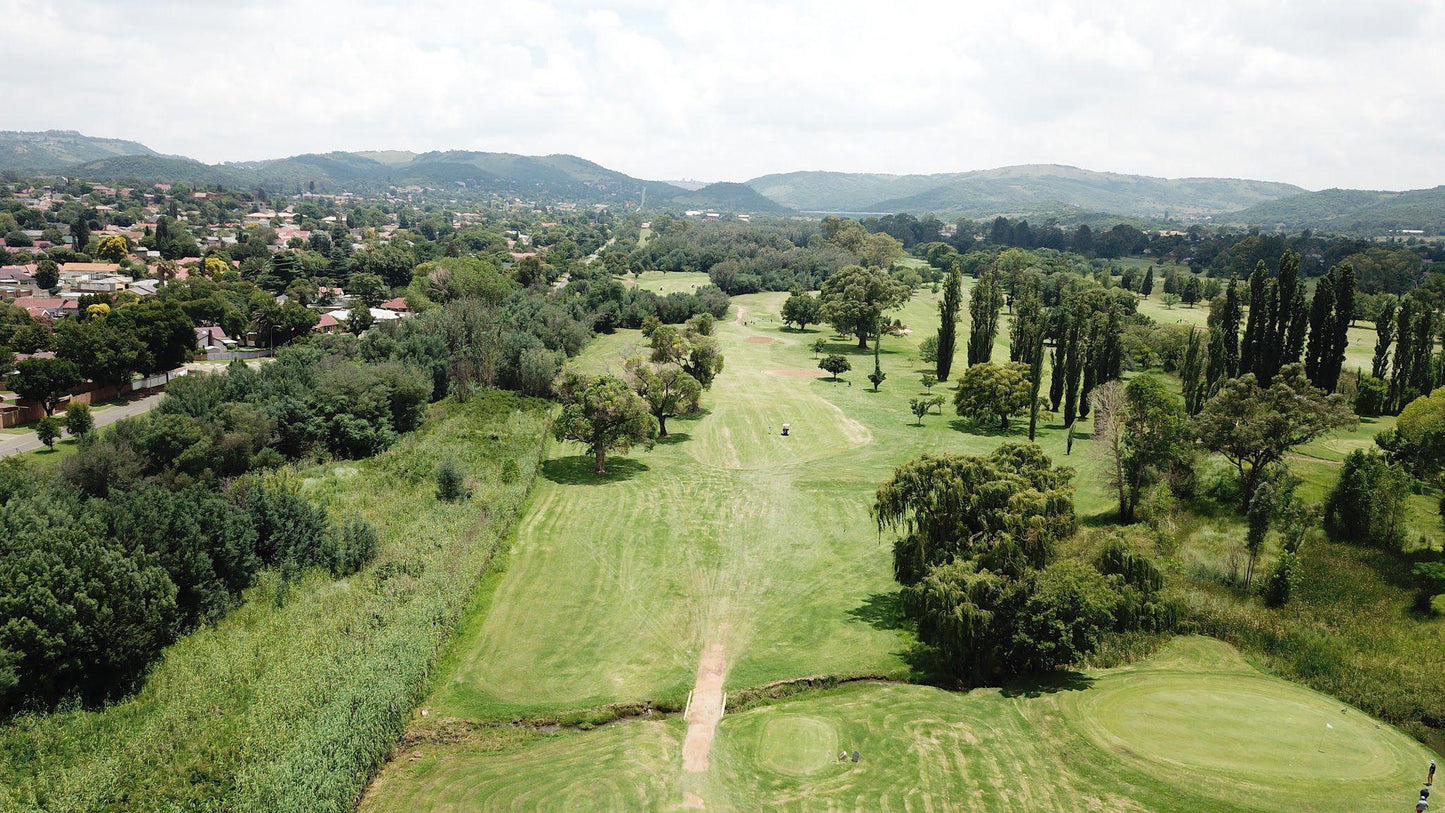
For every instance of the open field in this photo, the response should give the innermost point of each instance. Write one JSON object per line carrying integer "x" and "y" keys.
{"x": 727, "y": 537}
{"x": 1193, "y": 729}
{"x": 662, "y": 283}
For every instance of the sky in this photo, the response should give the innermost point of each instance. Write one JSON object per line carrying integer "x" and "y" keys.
{"x": 1320, "y": 94}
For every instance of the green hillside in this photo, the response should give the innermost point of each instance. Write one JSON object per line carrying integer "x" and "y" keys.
{"x": 53, "y": 149}
{"x": 1352, "y": 211}
{"x": 1033, "y": 189}
{"x": 730, "y": 197}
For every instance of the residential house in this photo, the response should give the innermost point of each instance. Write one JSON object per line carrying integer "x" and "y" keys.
{"x": 48, "y": 307}
{"x": 397, "y": 305}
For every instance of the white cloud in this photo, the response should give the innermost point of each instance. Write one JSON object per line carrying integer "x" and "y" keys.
{"x": 1319, "y": 93}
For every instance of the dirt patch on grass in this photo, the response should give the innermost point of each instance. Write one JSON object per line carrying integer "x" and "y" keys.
{"x": 706, "y": 709}
{"x": 758, "y": 340}
{"x": 790, "y": 372}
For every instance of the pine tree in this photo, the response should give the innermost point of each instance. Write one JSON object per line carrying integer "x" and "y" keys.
{"x": 1147, "y": 287}
{"x": 948, "y": 321}
{"x": 984, "y": 303}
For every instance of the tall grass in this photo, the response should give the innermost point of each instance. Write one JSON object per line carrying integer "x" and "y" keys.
{"x": 292, "y": 702}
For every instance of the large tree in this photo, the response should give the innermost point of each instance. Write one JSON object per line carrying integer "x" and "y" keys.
{"x": 1254, "y": 426}
{"x": 855, "y": 298}
{"x": 990, "y": 393}
{"x": 603, "y": 413}
{"x": 47, "y": 381}
{"x": 1012, "y": 502}
{"x": 948, "y": 311}
{"x": 984, "y": 303}
{"x": 802, "y": 309}
{"x": 667, "y": 388}
{"x": 1139, "y": 430}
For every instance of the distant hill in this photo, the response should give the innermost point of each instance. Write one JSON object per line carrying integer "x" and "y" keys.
{"x": 1031, "y": 189}
{"x": 54, "y": 149}
{"x": 1351, "y": 211}
{"x": 562, "y": 177}
{"x": 727, "y": 197}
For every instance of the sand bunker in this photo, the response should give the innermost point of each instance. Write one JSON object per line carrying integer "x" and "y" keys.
{"x": 757, "y": 340}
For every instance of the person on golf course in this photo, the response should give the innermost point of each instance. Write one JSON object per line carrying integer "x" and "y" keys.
{"x": 1430, "y": 774}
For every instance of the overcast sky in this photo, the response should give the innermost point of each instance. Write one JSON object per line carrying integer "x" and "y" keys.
{"x": 1319, "y": 94}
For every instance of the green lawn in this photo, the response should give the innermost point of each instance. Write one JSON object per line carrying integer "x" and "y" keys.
{"x": 663, "y": 283}
{"x": 1193, "y": 729}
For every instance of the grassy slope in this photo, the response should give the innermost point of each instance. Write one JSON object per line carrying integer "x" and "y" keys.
{"x": 290, "y": 707}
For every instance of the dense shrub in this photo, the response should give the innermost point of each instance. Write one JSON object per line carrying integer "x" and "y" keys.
{"x": 1368, "y": 504}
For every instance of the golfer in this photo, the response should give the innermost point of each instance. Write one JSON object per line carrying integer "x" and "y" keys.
{"x": 1430, "y": 774}
{"x": 1422, "y": 805}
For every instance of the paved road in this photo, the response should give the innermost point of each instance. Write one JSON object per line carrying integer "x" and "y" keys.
{"x": 19, "y": 444}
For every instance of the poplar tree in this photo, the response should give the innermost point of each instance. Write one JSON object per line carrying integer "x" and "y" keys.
{"x": 948, "y": 321}
{"x": 1384, "y": 336}
{"x": 1191, "y": 372}
{"x": 1322, "y": 328}
{"x": 984, "y": 303}
{"x": 1028, "y": 322}
{"x": 1259, "y": 317}
{"x": 1229, "y": 328}
{"x": 1333, "y": 359}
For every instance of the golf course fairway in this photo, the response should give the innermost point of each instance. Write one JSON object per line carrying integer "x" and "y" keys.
{"x": 728, "y": 557}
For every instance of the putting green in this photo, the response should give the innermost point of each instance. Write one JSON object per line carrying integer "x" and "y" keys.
{"x": 1255, "y": 728}
{"x": 797, "y": 745}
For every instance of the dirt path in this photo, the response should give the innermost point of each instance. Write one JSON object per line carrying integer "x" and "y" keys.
{"x": 706, "y": 709}
{"x": 741, "y": 313}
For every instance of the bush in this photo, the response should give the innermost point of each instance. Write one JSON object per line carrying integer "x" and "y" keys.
{"x": 1372, "y": 395}
{"x": 451, "y": 482}
{"x": 1282, "y": 578}
{"x": 1429, "y": 582}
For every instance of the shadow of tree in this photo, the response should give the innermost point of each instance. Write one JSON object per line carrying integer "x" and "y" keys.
{"x": 577, "y": 470}
{"x": 882, "y": 611}
{"x": 970, "y": 427}
{"x": 674, "y": 437}
{"x": 1050, "y": 683}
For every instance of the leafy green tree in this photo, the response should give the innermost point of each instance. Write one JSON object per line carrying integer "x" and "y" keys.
{"x": 44, "y": 380}
{"x": 1170, "y": 300}
{"x": 1011, "y": 502}
{"x": 165, "y": 330}
{"x": 1384, "y": 336}
{"x": 604, "y": 414}
{"x": 1369, "y": 504}
{"x": 928, "y": 351}
{"x": 819, "y": 345}
{"x": 1254, "y": 426}
{"x": 802, "y": 309}
{"x": 855, "y": 298}
{"x": 47, "y": 274}
{"x": 48, "y": 430}
{"x": 948, "y": 314}
{"x": 984, "y": 303}
{"x": 370, "y": 289}
{"x": 1147, "y": 286}
{"x": 106, "y": 351}
{"x": 667, "y": 388}
{"x": 78, "y": 420}
{"x": 359, "y": 320}
{"x": 112, "y": 248}
{"x": 919, "y": 407}
{"x": 1140, "y": 431}
{"x": 993, "y": 392}
{"x": 1283, "y": 577}
{"x": 835, "y": 364}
